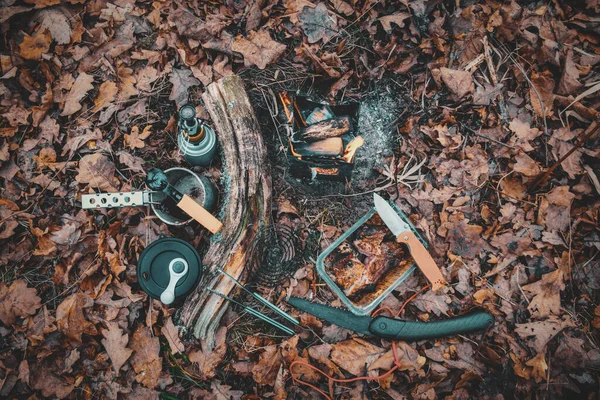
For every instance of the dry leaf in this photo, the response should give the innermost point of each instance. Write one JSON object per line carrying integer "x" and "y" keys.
{"x": 115, "y": 343}
{"x": 146, "y": 360}
{"x": 397, "y": 18}
{"x": 409, "y": 359}
{"x": 317, "y": 23}
{"x": 57, "y": 23}
{"x": 265, "y": 371}
{"x": 70, "y": 318}
{"x": 209, "y": 360}
{"x": 460, "y": 83}
{"x": 526, "y": 165}
{"x": 38, "y": 113}
{"x": 259, "y": 49}
{"x": 135, "y": 163}
{"x": 542, "y": 90}
{"x": 127, "y": 84}
{"x": 33, "y": 47}
{"x": 106, "y": 95}
{"x": 97, "y": 171}
{"x": 82, "y": 85}
{"x": 538, "y": 363}
{"x": 538, "y": 334}
{"x": 355, "y": 355}
{"x": 171, "y": 333}
{"x": 523, "y": 130}
{"x": 146, "y": 76}
{"x": 135, "y": 140}
{"x": 45, "y": 379}
{"x": 340, "y": 6}
{"x": 17, "y": 300}
{"x": 546, "y": 300}
{"x": 182, "y": 79}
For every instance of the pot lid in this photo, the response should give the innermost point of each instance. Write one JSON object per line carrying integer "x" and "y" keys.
{"x": 168, "y": 269}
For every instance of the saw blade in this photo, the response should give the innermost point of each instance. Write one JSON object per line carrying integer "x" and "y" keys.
{"x": 337, "y": 316}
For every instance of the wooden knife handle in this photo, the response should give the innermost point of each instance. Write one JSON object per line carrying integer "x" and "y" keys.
{"x": 199, "y": 213}
{"x": 423, "y": 259}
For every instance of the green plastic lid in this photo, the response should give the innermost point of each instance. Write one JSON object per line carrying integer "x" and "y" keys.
{"x": 155, "y": 268}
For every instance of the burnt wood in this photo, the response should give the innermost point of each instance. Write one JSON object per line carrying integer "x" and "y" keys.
{"x": 330, "y": 128}
{"x": 246, "y": 203}
{"x": 332, "y": 147}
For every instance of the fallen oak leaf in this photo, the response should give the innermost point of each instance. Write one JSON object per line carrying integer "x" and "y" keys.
{"x": 526, "y": 165}
{"x": 133, "y": 162}
{"x": 182, "y": 79}
{"x": 259, "y": 49}
{"x": 46, "y": 379}
{"x": 460, "y": 83}
{"x": 539, "y": 367}
{"x": 70, "y": 318}
{"x": 115, "y": 343}
{"x": 171, "y": 333}
{"x": 265, "y": 371}
{"x": 355, "y": 354}
{"x": 342, "y": 7}
{"x": 106, "y": 94}
{"x": 208, "y": 361}
{"x": 397, "y": 18}
{"x": 17, "y": 300}
{"x": 57, "y": 23}
{"x": 82, "y": 85}
{"x": 538, "y": 334}
{"x": 135, "y": 140}
{"x": 146, "y": 360}
{"x": 97, "y": 171}
{"x": 33, "y": 47}
{"x": 317, "y": 24}
{"x": 38, "y": 113}
{"x": 547, "y": 294}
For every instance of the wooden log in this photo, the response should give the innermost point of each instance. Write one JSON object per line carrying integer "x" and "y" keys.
{"x": 246, "y": 205}
{"x": 330, "y": 128}
{"x": 332, "y": 147}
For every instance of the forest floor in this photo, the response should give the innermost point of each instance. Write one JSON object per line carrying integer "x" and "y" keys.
{"x": 464, "y": 106}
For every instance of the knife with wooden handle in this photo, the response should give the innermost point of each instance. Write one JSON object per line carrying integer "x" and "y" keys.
{"x": 404, "y": 234}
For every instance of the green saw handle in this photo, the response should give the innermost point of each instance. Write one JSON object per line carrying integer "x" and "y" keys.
{"x": 394, "y": 329}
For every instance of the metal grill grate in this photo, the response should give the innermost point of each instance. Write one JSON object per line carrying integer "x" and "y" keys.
{"x": 274, "y": 255}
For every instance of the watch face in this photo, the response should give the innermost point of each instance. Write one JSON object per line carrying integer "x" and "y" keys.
{"x": 187, "y": 112}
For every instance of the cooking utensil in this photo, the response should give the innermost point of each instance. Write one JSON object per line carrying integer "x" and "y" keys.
{"x": 114, "y": 200}
{"x": 261, "y": 299}
{"x": 157, "y": 180}
{"x": 254, "y": 312}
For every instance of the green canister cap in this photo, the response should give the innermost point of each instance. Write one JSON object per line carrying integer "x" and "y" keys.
{"x": 154, "y": 268}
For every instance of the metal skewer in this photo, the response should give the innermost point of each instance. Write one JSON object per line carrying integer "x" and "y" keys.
{"x": 257, "y": 314}
{"x": 262, "y": 299}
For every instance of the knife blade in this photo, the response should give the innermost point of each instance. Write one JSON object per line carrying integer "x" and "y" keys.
{"x": 392, "y": 220}
{"x": 404, "y": 234}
